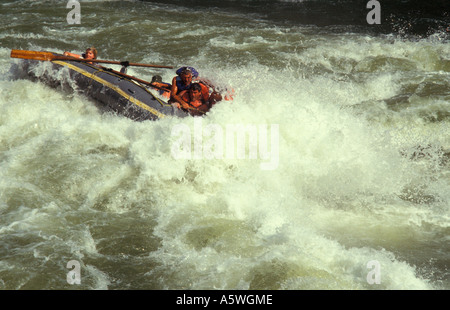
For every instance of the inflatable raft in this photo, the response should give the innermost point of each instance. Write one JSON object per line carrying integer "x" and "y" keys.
{"x": 108, "y": 88}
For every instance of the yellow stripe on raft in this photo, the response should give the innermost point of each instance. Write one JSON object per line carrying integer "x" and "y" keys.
{"x": 112, "y": 86}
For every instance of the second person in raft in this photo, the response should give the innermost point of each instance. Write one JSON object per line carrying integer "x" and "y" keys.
{"x": 195, "y": 99}
{"x": 198, "y": 100}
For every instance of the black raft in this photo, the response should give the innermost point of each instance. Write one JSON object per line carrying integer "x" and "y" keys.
{"x": 110, "y": 90}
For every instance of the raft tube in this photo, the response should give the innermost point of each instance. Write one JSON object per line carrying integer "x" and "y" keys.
{"x": 109, "y": 90}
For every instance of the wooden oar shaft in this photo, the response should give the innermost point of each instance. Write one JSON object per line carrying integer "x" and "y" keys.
{"x": 136, "y": 79}
{"x": 47, "y": 56}
{"x": 130, "y": 77}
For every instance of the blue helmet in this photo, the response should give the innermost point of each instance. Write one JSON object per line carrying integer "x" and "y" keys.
{"x": 189, "y": 69}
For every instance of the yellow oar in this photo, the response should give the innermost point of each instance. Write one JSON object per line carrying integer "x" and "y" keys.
{"x": 47, "y": 56}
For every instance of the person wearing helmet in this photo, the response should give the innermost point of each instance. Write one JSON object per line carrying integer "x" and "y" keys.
{"x": 181, "y": 82}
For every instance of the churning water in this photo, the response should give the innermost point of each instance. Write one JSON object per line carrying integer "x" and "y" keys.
{"x": 361, "y": 182}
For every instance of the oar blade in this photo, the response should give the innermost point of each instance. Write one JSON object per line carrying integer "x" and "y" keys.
{"x": 47, "y": 56}
{"x": 44, "y": 56}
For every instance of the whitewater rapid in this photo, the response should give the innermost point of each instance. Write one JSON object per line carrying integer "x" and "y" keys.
{"x": 358, "y": 198}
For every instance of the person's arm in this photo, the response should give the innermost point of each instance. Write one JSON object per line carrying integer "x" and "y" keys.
{"x": 72, "y": 55}
{"x": 175, "y": 97}
{"x": 162, "y": 86}
{"x": 173, "y": 89}
{"x": 183, "y": 103}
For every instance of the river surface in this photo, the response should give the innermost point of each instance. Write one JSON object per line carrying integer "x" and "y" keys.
{"x": 353, "y": 191}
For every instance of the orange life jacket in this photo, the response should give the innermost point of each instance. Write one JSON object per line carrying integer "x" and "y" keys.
{"x": 205, "y": 96}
